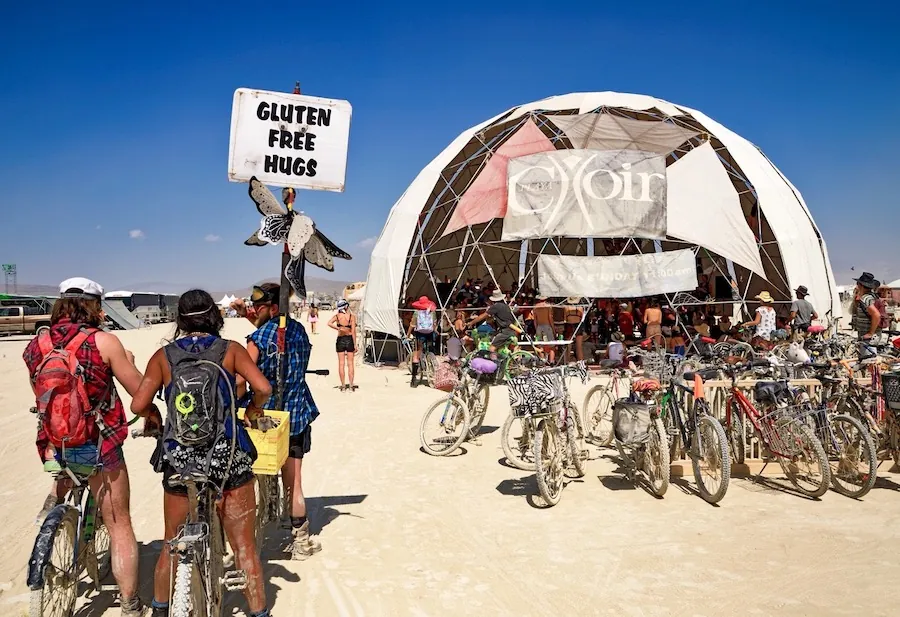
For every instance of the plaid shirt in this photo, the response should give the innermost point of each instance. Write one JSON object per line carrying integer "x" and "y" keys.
{"x": 298, "y": 399}
{"x": 112, "y": 424}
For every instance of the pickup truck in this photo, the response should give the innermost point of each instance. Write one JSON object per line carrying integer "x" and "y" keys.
{"x": 21, "y": 320}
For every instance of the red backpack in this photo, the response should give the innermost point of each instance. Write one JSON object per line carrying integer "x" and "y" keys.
{"x": 882, "y": 311}
{"x": 62, "y": 401}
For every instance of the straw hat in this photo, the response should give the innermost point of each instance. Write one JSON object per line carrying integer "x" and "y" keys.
{"x": 573, "y": 300}
{"x": 766, "y": 297}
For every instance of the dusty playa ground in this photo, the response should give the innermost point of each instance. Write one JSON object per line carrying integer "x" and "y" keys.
{"x": 407, "y": 534}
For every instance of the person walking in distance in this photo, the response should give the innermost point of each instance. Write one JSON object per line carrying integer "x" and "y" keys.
{"x": 313, "y": 318}
{"x": 74, "y": 329}
{"x": 345, "y": 323}
{"x": 297, "y": 400}
{"x": 802, "y": 312}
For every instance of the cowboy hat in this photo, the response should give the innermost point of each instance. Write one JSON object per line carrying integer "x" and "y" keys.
{"x": 573, "y": 300}
{"x": 868, "y": 281}
{"x": 497, "y": 296}
{"x": 802, "y": 290}
{"x": 424, "y": 304}
{"x": 542, "y": 297}
{"x": 765, "y": 296}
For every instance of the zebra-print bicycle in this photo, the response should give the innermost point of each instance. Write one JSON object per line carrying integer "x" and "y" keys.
{"x": 541, "y": 401}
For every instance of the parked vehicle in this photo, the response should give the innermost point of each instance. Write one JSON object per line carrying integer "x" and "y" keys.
{"x": 22, "y": 320}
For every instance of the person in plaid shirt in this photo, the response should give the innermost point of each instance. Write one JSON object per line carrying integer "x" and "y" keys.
{"x": 103, "y": 357}
{"x": 297, "y": 400}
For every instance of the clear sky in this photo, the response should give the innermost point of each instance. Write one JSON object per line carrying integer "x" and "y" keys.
{"x": 115, "y": 119}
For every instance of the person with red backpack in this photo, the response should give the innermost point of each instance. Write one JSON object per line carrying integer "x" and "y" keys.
{"x": 72, "y": 365}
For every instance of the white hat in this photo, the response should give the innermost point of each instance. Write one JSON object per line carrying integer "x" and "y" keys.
{"x": 497, "y": 296}
{"x": 86, "y": 289}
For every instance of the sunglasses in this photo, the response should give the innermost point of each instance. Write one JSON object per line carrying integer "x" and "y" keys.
{"x": 262, "y": 296}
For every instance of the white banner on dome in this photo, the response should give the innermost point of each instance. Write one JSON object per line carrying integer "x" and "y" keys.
{"x": 623, "y": 276}
{"x": 586, "y": 194}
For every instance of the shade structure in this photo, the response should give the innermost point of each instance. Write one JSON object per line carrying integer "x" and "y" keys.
{"x": 724, "y": 199}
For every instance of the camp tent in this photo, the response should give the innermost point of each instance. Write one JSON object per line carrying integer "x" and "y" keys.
{"x": 452, "y": 221}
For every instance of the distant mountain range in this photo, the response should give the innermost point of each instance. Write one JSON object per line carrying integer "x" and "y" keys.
{"x": 313, "y": 284}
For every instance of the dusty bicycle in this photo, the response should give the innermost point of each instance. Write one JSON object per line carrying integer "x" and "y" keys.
{"x": 453, "y": 419}
{"x": 599, "y": 400}
{"x": 782, "y": 431}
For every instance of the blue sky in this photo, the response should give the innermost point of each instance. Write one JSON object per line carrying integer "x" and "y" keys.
{"x": 115, "y": 118}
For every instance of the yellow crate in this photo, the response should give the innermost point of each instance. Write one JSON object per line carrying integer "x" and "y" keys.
{"x": 271, "y": 446}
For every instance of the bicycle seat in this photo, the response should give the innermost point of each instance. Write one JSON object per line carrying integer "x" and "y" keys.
{"x": 705, "y": 374}
{"x": 816, "y": 329}
{"x": 610, "y": 363}
{"x": 646, "y": 385}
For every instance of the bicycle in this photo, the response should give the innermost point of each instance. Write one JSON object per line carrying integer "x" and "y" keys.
{"x": 640, "y": 439}
{"x": 72, "y": 539}
{"x": 541, "y": 399}
{"x": 462, "y": 410}
{"x": 517, "y": 435}
{"x": 698, "y": 434}
{"x": 511, "y": 360}
{"x": 781, "y": 430}
{"x": 271, "y": 500}
{"x": 599, "y": 400}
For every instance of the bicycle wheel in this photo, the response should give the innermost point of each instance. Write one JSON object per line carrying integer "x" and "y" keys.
{"x": 548, "y": 456}
{"x": 671, "y": 420}
{"x": 56, "y": 597}
{"x": 518, "y": 363}
{"x": 182, "y": 603}
{"x": 99, "y": 556}
{"x": 598, "y": 410}
{"x": 517, "y": 440}
{"x": 851, "y": 455}
{"x": 742, "y": 350}
{"x": 262, "y": 487}
{"x": 448, "y": 418}
{"x": 807, "y": 468}
{"x": 478, "y": 404}
{"x": 429, "y": 365}
{"x": 709, "y": 456}
{"x": 656, "y": 458}
{"x": 574, "y": 464}
{"x": 215, "y": 570}
{"x": 736, "y": 436}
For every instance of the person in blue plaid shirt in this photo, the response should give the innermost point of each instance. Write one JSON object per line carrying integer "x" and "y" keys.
{"x": 297, "y": 400}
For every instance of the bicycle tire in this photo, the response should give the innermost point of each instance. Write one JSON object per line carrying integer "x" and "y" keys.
{"x": 182, "y": 603}
{"x": 263, "y": 509}
{"x": 62, "y": 599}
{"x": 450, "y": 445}
{"x": 548, "y": 457}
{"x": 524, "y": 458}
{"x": 841, "y": 477}
{"x": 100, "y": 553}
{"x": 672, "y": 425}
{"x": 737, "y": 436}
{"x": 658, "y": 471}
{"x": 574, "y": 452}
{"x": 803, "y": 433}
{"x": 598, "y": 427}
{"x": 478, "y": 410}
{"x": 215, "y": 569}
{"x": 517, "y": 363}
{"x": 717, "y": 452}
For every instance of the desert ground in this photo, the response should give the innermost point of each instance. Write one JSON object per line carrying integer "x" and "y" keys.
{"x": 404, "y": 533}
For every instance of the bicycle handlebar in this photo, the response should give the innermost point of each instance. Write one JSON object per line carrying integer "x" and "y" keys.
{"x": 319, "y": 371}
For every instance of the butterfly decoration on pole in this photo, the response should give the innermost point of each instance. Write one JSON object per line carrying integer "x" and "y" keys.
{"x": 304, "y": 241}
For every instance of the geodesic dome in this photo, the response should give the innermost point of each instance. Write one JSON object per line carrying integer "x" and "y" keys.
{"x": 724, "y": 200}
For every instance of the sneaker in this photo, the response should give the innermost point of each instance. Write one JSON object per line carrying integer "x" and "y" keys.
{"x": 159, "y": 611}
{"x": 133, "y": 607}
{"x": 303, "y": 546}
{"x": 49, "y": 503}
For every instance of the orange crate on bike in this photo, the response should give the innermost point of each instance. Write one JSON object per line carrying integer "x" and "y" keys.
{"x": 271, "y": 445}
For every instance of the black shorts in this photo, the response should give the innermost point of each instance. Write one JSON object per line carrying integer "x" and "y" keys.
{"x": 300, "y": 444}
{"x": 502, "y": 337}
{"x": 345, "y": 344}
{"x": 241, "y": 471}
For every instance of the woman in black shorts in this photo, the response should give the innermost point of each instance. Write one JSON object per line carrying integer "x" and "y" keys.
{"x": 345, "y": 324}
{"x": 199, "y": 323}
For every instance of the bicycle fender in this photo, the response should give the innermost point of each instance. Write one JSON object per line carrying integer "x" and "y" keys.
{"x": 43, "y": 545}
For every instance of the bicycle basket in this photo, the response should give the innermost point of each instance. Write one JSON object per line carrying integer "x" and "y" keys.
{"x": 631, "y": 421}
{"x": 529, "y": 393}
{"x": 890, "y": 385}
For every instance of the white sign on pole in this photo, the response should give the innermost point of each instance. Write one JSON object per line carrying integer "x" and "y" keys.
{"x": 289, "y": 140}
{"x": 620, "y": 276}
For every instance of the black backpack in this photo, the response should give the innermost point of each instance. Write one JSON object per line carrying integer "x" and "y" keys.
{"x": 196, "y": 407}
